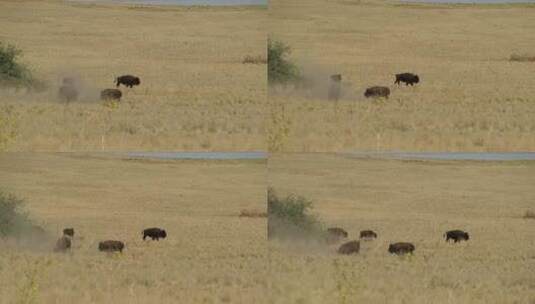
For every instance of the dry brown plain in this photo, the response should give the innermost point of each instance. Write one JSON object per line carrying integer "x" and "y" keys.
{"x": 471, "y": 97}
{"x": 210, "y": 255}
{"x": 413, "y": 201}
{"x": 195, "y": 92}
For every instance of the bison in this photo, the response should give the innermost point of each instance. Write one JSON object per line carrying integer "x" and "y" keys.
{"x": 456, "y": 236}
{"x": 111, "y": 94}
{"x": 407, "y": 78}
{"x": 68, "y": 232}
{"x": 127, "y": 80}
{"x": 335, "y": 234}
{"x": 377, "y": 92}
{"x": 368, "y": 234}
{"x": 63, "y": 244}
{"x": 154, "y": 233}
{"x": 68, "y": 93}
{"x": 401, "y": 248}
{"x": 349, "y": 248}
{"x": 111, "y": 246}
{"x": 334, "y": 87}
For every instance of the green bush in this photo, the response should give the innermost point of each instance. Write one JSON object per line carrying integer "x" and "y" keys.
{"x": 11, "y": 71}
{"x": 289, "y": 217}
{"x": 281, "y": 70}
{"x": 13, "y": 221}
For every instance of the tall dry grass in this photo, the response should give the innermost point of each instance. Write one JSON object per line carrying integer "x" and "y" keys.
{"x": 195, "y": 92}
{"x": 471, "y": 97}
{"x": 408, "y": 201}
{"x": 211, "y": 254}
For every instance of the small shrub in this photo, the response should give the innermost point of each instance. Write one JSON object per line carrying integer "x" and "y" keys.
{"x": 529, "y": 214}
{"x": 289, "y": 218}
{"x": 280, "y": 70}
{"x": 254, "y": 59}
{"x": 522, "y": 58}
{"x": 252, "y": 213}
{"x": 13, "y": 222}
{"x": 11, "y": 71}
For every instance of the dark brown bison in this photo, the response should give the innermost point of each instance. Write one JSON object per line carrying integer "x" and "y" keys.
{"x": 68, "y": 93}
{"x": 368, "y": 234}
{"x": 127, "y": 80}
{"x": 407, "y": 78}
{"x": 111, "y": 246}
{"x": 68, "y": 232}
{"x": 377, "y": 92}
{"x": 401, "y": 248}
{"x": 335, "y": 87}
{"x": 154, "y": 233}
{"x": 63, "y": 244}
{"x": 111, "y": 94}
{"x": 349, "y": 248}
{"x": 456, "y": 236}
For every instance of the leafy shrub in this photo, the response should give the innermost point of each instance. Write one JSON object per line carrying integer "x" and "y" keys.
{"x": 11, "y": 71}
{"x": 13, "y": 222}
{"x": 289, "y": 218}
{"x": 280, "y": 70}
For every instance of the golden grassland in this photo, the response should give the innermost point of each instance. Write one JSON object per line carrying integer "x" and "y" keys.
{"x": 412, "y": 201}
{"x": 195, "y": 92}
{"x": 211, "y": 254}
{"x": 471, "y": 96}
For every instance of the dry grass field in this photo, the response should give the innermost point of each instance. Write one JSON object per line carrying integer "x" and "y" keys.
{"x": 413, "y": 201}
{"x": 471, "y": 96}
{"x": 211, "y": 255}
{"x": 195, "y": 92}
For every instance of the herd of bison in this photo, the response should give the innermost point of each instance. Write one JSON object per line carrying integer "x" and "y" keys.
{"x": 371, "y": 92}
{"x": 336, "y": 234}
{"x": 64, "y": 243}
{"x": 69, "y": 90}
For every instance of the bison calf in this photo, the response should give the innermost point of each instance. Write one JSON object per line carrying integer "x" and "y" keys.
{"x": 127, "y": 80}
{"x": 407, "y": 78}
{"x": 456, "y": 236}
{"x": 111, "y": 94}
{"x": 368, "y": 234}
{"x": 111, "y": 246}
{"x": 377, "y": 92}
{"x": 68, "y": 232}
{"x": 68, "y": 93}
{"x": 63, "y": 244}
{"x": 349, "y": 248}
{"x": 335, "y": 87}
{"x": 154, "y": 233}
{"x": 401, "y": 248}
